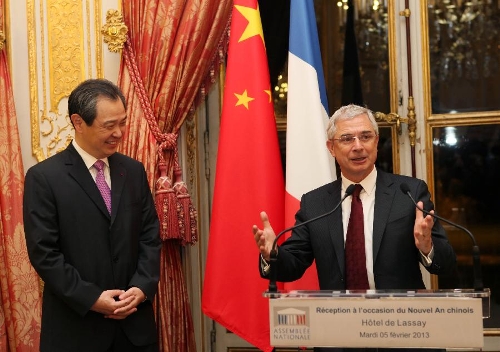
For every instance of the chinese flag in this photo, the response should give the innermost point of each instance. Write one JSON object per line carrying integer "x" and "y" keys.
{"x": 248, "y": 180}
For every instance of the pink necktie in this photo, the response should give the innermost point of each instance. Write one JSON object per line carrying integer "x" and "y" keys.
{"x": 355, "y": 258}
{"x": 102, "y": 185}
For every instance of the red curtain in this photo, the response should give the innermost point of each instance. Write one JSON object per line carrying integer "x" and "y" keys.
{"x": 173, "y": 51}
{"x": 20, "y": 310}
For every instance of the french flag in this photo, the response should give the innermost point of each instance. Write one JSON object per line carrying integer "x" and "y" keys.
{"x": 309, "y": 165}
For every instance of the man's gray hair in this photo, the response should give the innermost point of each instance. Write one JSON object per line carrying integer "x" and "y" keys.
{"x": 348, "y": 112}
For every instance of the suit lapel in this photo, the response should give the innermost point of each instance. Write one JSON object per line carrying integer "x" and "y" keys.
{"x": 384, "y": 196}
{"x": 79, "y": 172}
{"x": 118, "y": 177}
{"x": 335, "y": 222}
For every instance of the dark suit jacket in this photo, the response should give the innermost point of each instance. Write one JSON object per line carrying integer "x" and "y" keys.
{"x": 395, "y": 257}
{"x": 79, "y": 250}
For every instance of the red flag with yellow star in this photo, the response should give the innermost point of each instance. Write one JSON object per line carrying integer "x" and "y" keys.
{"x": 248, "y": 180}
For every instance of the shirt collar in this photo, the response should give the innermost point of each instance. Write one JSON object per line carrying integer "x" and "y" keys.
{"x": 88, "y": 159}
{"x": 368, "y": 183}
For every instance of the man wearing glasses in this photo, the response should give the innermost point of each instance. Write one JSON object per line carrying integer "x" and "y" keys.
{"x": 396, "y": 236}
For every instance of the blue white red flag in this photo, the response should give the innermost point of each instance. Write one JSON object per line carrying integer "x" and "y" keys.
{"x": 308, "y": 163}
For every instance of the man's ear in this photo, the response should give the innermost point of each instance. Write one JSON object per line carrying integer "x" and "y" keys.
{"x": 329, "y": 145}
{"x": 77, "y": 122}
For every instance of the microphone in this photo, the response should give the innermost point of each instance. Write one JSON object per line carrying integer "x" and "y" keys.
{"x": 476, "y": 261}
{"x": 274, "y": 249}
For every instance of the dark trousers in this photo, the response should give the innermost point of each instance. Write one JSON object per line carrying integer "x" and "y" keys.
{"x": 121, "y": 343}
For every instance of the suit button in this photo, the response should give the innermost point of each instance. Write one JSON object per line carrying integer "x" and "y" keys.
{"x": 115, "y": 260}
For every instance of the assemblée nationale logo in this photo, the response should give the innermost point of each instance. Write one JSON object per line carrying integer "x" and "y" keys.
{"x": 291, "y": 323}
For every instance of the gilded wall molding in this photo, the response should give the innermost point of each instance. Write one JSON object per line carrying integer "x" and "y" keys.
{"x": 33, "y": 86}
{"x": 97, "y": 45}
{"x": 2, "y": 40}
{"x": 426, "y": 73}
{"x": 63, "y": 49}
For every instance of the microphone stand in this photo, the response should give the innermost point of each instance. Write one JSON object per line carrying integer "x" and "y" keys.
{"x": 476, "y": 261}
{"x": 273, "y": 254}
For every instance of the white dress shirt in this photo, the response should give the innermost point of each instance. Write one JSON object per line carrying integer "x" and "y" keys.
{"x": 367, "y": 197}
{"x": 89, "y": 161}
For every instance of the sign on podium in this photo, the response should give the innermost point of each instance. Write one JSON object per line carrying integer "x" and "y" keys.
{"x": 378, "y": 318}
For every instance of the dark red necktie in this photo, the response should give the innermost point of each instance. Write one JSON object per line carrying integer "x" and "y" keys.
{"x": 355, "y": 258}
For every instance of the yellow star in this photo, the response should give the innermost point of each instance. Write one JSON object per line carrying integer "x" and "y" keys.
{"x": 243, "y": 99}
{"x": 254, "y": 26}
{"x": 268, "y": 92}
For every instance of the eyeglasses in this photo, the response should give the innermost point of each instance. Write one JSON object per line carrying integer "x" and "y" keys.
{"x": 348, "y": 139}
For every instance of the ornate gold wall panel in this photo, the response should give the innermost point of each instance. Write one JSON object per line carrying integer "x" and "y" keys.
{"x": 66, "y": 49}
{"x": 64, "y": 43}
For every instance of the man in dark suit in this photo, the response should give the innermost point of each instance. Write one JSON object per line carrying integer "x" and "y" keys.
{"x": 397, "y": 237}
{"x": 99, "y": 260}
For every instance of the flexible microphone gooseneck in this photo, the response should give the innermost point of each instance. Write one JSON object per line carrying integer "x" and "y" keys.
{"x": 476, "y": 261}
{"x": 274, "y": 250}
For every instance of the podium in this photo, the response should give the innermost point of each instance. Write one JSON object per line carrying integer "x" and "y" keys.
{"x": 379, "y": 318}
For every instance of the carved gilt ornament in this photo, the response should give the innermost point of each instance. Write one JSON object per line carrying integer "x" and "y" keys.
{"x": 114, "y": 31}
{"x": 2, "y": 40}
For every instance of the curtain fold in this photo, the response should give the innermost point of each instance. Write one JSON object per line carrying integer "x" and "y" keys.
{"x": 171, "y": 58}
{"x": 20, "y": 311}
